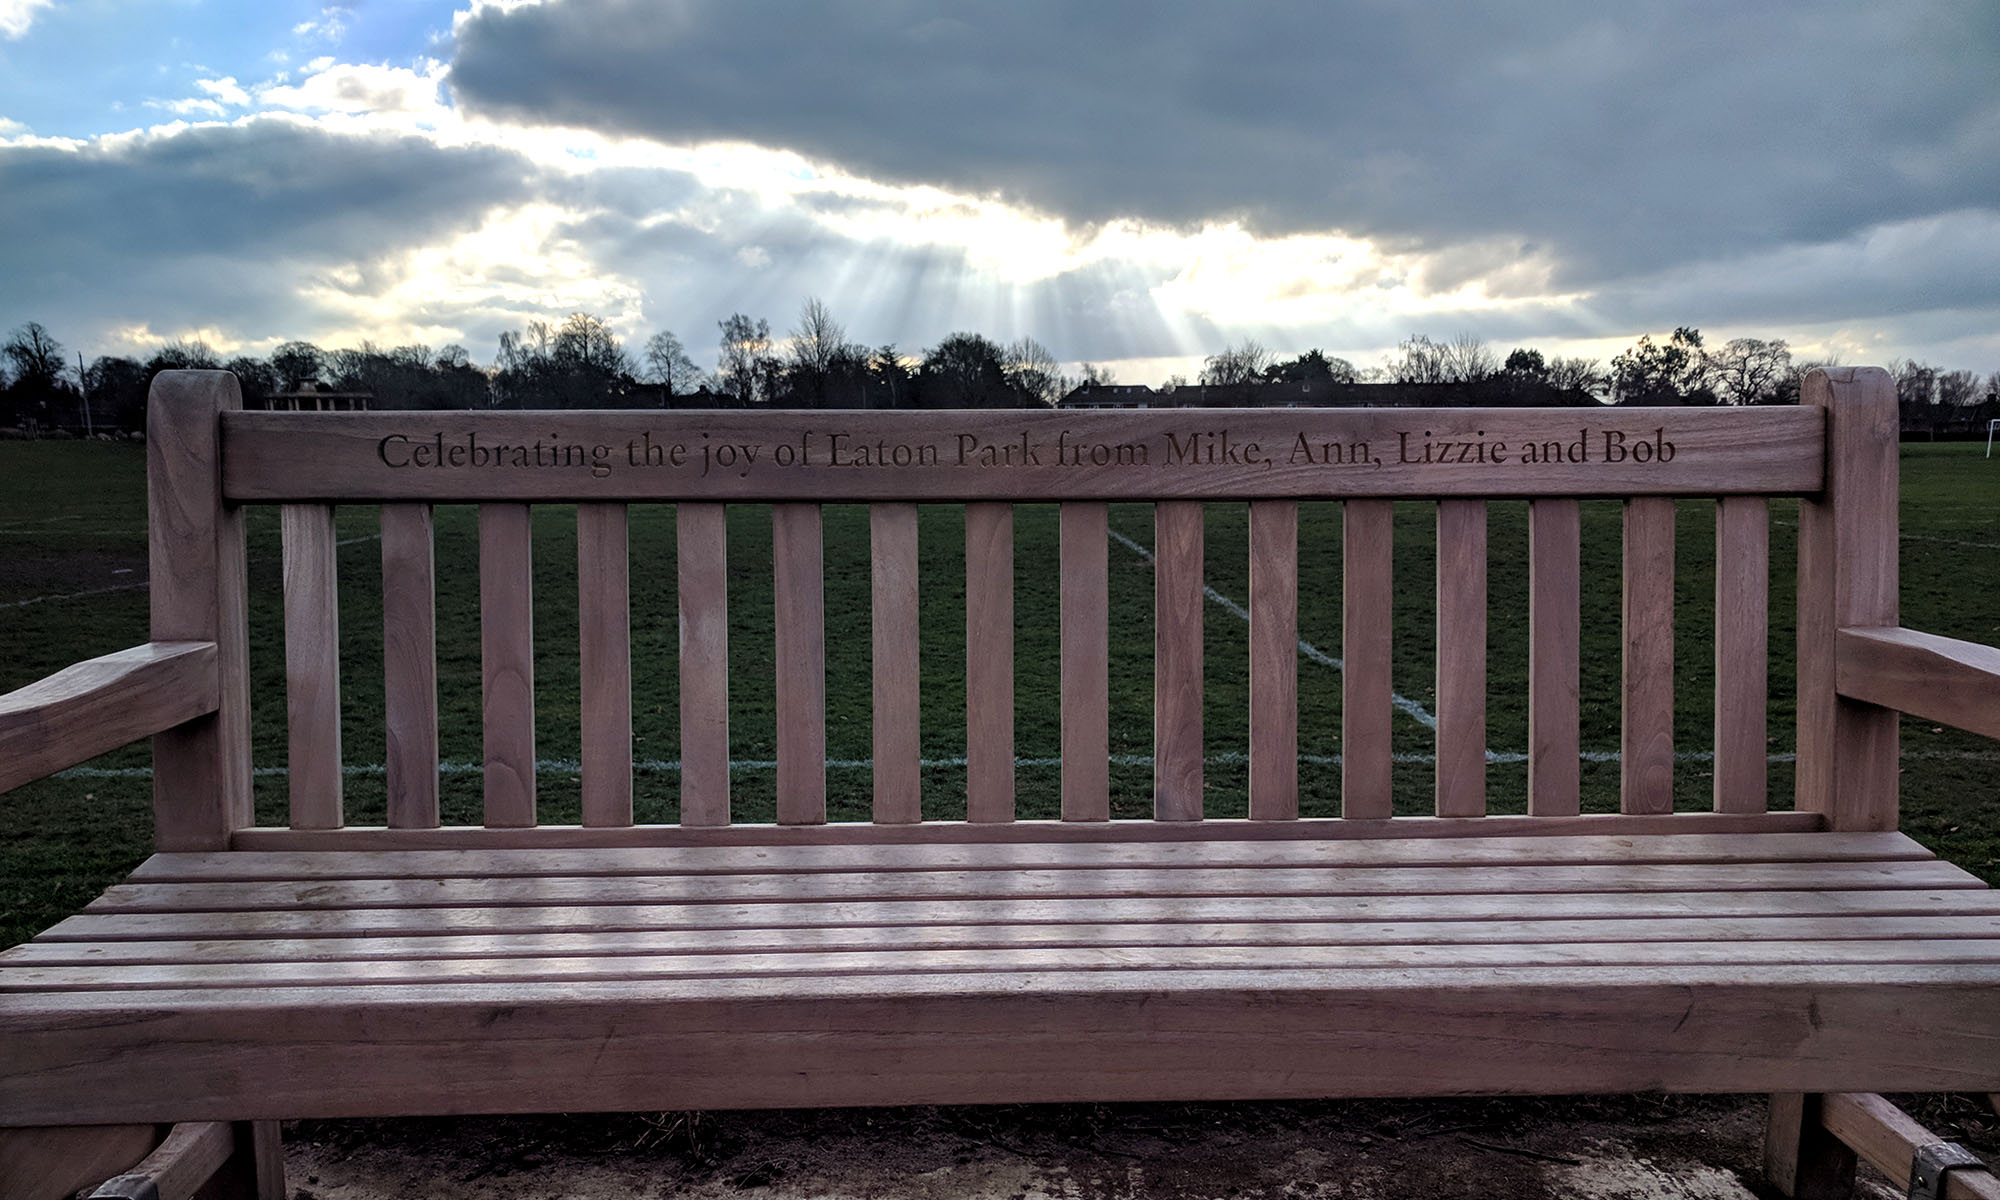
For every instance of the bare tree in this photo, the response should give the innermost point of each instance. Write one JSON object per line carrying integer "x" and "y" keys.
{"x": 38, "y": 358}
{"x": 746, "y": 344}
{"x": 1095, "y": 376}
{"x": 1419, "y": 360}
{"x": 1031, "y": 368}
{"x": 1750, "y": 370}
{"x": 1958, "y": 387}
{"x": 1577, "y": 374}
{"x": 1237, "y": 365}
{"x": 1468, "y": 360}
{"x": 668, "y": 364}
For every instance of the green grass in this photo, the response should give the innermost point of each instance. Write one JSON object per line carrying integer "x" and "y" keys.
{"x": 72, "y": 519}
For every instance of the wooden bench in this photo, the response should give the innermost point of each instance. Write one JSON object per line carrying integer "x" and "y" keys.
{"x": 248, "y": 974}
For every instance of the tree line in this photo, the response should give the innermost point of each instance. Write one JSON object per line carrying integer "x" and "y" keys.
{"x": 580, "y": 362}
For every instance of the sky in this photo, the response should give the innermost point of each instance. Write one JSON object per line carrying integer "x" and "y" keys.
{"x": 1134, "y": 183}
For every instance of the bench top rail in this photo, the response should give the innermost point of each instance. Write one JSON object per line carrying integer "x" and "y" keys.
{"x": 1177, "y": 462}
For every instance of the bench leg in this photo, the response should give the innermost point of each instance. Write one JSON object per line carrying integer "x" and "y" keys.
{"x": 1801, "y": 1159}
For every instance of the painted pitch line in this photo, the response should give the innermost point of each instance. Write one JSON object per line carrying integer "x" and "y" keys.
{"x": 1416, "y": 711}
{"x": 126, "y": 587}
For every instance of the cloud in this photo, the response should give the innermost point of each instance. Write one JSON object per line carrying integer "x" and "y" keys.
{"x": 1605, "y": 140}
{"x": 361, "y": 88}
{"x": 16, "y": 16}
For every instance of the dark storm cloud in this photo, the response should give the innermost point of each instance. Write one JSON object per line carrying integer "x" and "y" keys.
{"x": 1622, "y": 138}
{"x": 220, "y": 225}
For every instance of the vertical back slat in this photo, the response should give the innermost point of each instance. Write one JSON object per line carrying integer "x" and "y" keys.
{"x": 892, "y": 531}
{"x": 1555, "y": 536}
{"x": 1087, "y": 605}
{"x": 989, "y": 662}
{"x": 799, "y": 564}
{"x": 1367, "y": 590}
{"x": 701, "y": 538}
{"x": 507, "y": 657}
{"x": 1274, "y": 660}
{"x": 1177, "y": 684}
{"x": 1848, "y": 546}
{"x": 1085, "y": 598}
{"x": 196, "y": 565}
{"x": 1742, "y": 651}
{"x": 1647, "y": 779}
{"x": 604, "y": 650}
{"x": 312, "y": 665}
{"x": 409, "y": 664}
{"x": 1461, "y": 658}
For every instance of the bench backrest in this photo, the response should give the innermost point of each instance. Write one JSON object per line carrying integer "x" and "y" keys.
{"x": 1837, "y": 452}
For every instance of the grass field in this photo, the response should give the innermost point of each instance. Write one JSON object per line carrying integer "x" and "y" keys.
{"x": 72, "y": 566}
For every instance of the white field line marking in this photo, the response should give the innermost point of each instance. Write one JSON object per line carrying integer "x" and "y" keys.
{"x": 1416, "y": 711}
{"x": 124, "y": 587}
{"x": 1920, "y": 537}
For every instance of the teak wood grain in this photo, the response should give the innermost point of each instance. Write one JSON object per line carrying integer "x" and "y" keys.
{"x": 1188, "y": 454}
{"x": 1084, "y": 597}
{"x": 1742, "y": 651}
{"x": 1177, "y": 661}
{"x": 312, "y": 666}
{"x": 1461, "y": 658}
{"x": 989, "y": 662}
{"x": 798, "y": 553}
{"x": 604, "y": 649}
{"x": 701, "y": 552}
{"x": 196, "y": 570}
{"x": 1274, "y": 660}
{"x": 1555, "y": 633}
{"x": 409, "y": 664}
{"x": 99, "y": 705}
{"x": 897, "y": 697}
{"x": 507, "y": 663}
{"x": 1367, "y": 542}
{"x": 1646, "y": 778}
{"x": 1937, "y": 678}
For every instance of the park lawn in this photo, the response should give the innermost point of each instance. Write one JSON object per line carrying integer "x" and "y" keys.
{"x": 72, "y": 521}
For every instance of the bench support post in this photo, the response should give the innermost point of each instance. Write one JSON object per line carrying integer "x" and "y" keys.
{"x": 1802, "y": 1159}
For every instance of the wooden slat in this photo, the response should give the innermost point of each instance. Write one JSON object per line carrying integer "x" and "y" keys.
{"x": 1013, "y": 455}
{"x": 989, "y": 662}
{"x": 84, "y": 710}
{"x": 1082, "y": 882}
{"x": 1469, "y": 852}
{"x": 1274, "y": 660}
{"x": 1848, "y": 547}
{"x": 1177, "y": 661}
{"x": 1085, "y": 598}
{"x": 838, "y": 938}
{"x": 840, "y": 833}
{"x": 54, "y": 1162}
{"x": 1367, "y": 590}
{"x": 1461, "y": 658}
{"x": 897, "y": 710}
{"x": 604, "y": 647}
{"x": 196, "y": 572}
{"x": 1889, "y": 1139}
{"x": 798, "y": 556}
{"x": 1742, "y": 651}
{"x": 409, "y": 664}
{"x": 701, "y": 543}
{"x": 1647, "y": 740}
{"x": 180, "y": 1165}
{"x": 1801, "y": 1159}
{"x": 1936, "y": 678}
{"x": 1555, "y": 531}
{"x": 1497, "y": 913}
{"x": 507, "y": 663}
{"x": 994, "y": 1038}
{"x": 312, "y": 666}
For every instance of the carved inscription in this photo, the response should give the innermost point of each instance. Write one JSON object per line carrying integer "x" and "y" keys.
{"x": 703, "y": 456}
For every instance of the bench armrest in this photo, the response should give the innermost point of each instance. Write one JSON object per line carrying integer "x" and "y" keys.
{"x": 84, "y": 710}
{"x": 1937, "y": 678}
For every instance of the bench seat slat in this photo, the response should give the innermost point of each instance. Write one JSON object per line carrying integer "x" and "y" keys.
{"x": 999, "y": 960}
{"x": 560, "y": 918}
{"x": 1083, "y": 882}
{"x": 427, "y": 864}
{"x": 1167, "y": 929}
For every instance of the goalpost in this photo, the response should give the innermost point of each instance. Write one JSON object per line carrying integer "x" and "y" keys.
{"x": 1990, "y": 426}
